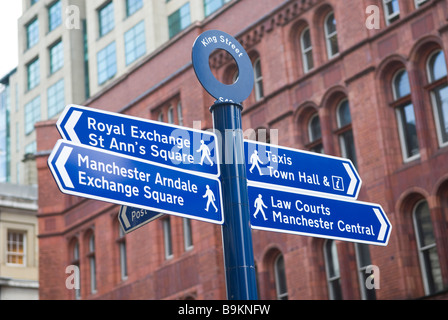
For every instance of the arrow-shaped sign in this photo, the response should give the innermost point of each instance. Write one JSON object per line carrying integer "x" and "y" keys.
{"x": 307, "y": 171}
{"x": 289, "y": 212}
{"x": 102, "y": 175}
{"x": 163, "y": 143}
{"x": 132, "y": 218}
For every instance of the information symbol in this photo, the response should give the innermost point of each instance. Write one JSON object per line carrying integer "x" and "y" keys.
{"x": 338, "y": 183}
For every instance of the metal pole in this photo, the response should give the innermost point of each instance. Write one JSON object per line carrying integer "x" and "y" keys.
{"x": 236, "y": 230}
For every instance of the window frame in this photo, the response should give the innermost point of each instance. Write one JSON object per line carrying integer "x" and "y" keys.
{"x": 306, "y": 51}
{"x": 22, "y": 255}
{"x": 399, "y": 104}
{"x": 429, "y": 285}
{"x": 434, "y": 87}
{"x": 258, "y": 80}
{"x": 329, "y": 36}
{"x": 280, "y": 276}
{"x": 333, "y": 281}
{"x": 390, "y": 17}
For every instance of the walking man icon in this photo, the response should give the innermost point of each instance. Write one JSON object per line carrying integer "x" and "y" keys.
{"x": 255, "y": 160}
{"x": 259, "y": 204}
{"x": 205, "y": 153}
{"x": 210, "y": 198}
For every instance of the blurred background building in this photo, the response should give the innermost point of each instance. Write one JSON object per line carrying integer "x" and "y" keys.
{"x": 365, "y": 80}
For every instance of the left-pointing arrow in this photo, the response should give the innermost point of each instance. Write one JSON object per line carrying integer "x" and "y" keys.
{"x": 70, "y": 126}
{"x": 60, "y": 165}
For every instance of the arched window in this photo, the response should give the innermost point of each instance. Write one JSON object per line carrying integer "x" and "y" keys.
{"x": 307, "y": 50}
{"x": 345, "y": 132}
{"x": 280, "y": 278}
{"x": 405, "y": 115}
{"x": 427, "y": 249}
{"x": 437, "y": 77}
{"x": 180, "y": 116}
{"x": 332, "y": 270}
{"x": 315, "y": 134}
{"x": 331, "y": 35}
{"x": 258, "y": 77}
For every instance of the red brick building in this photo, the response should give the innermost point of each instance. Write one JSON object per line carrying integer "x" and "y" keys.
{"x": 340, "y": 77}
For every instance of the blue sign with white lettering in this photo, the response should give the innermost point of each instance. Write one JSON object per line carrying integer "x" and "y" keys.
{"x": 132, "y": 218}
{"x": 294, "y": 213}
{"x": 163, "y": 143}
{"x": 307, "y": 171}
{"x": 203, "y": 47}
{"x": 103, "y": 175}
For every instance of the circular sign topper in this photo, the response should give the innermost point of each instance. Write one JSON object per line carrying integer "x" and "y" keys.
{"x": 204, "y": 45}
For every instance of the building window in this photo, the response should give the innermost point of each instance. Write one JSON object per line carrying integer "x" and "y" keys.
{"x": 135, "y": 43}
{"x": 419, "y": 3}
{"x": 427, "y": 249}
{"x": 133, "y": 6}
{"x": 258, "y": 80}
{"x": 107, "y": 63}
{"x": 437, "y": 77}
{"x": 405, "y": 115}
{"x": 211, "y": 6}
{"x": 56, "y": 98}
{"x": 315, "y": 134}
{"x": 391, "y": 11}
{"x": 15, "y": 248}
{"x": 106, "y": 18}
{"x": 307, "y": 50}
{"x": 345, "y": 132}
{"x": 363, "y": 260}
{"x": 331, "y": 36}
{"x": 188, "y": 235}
{"x": 280, "y": 278}
{"x": 92, "y": 263}
{"x": 167, "y": 238}
{"x": 32, "y": 33}
{"x": 54, "y": 15}
{"x": 33, "y": 73}
{"x": 332, "y": 270}
{"x": 32, "y": 2}
{"x": 32, "y": 114}
{"x": 171, "y": 115}
{"x": 123, "y": 253}
{"x": 179, "y": 20}
{"x": 180, "y": 116}
{"x": 56, "y": 57}
{"x": 75, "y": 262}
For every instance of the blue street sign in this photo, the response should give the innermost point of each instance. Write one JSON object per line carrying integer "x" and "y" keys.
{"x": 132, "y": 218}
{"x": 163, "y": 143}
{"x": 347, "y": 220}
{"x": 203, "y": 47}
{"x": 103, "y": 175}
{"x": 307, "y": 171}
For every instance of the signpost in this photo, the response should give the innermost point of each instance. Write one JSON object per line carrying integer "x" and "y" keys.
{"x": 153, "y": 168}
{"x": 295, "y": 213}
{"x": 163, "y": 143}
{"x": 102, "y": 175}
{"x": 306, "y": 171}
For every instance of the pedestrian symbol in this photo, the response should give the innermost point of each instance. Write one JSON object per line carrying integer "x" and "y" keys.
{"x": 259, "y": 205}
{"x": 210, "y": 198}
{"x": 205, "y": 153}
{"x": 255, "y": 160}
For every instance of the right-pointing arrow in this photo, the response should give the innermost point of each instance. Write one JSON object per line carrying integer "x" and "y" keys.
{"x": 383, "y": 228}
{"x": 70, "y": 126}
{"x": 60, "y": 165}
{"x": 353, "y": 179}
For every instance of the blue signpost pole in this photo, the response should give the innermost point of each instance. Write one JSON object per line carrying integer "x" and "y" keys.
{"x": 236, "y": 230}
